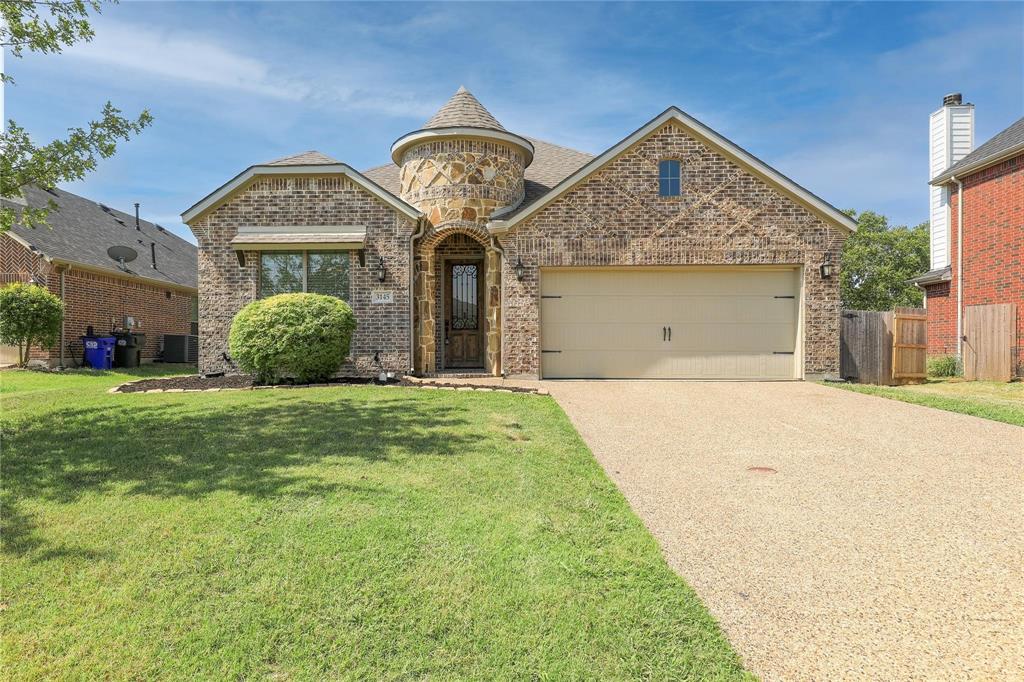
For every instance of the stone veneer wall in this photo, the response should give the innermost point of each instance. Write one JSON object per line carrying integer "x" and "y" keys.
{"x": 465, "y": 179}
{"x": 458, "y": 183}
{"x": 725, "y": 216}
{"x": 429, "y": 286}
{"x": 306, "y": 200}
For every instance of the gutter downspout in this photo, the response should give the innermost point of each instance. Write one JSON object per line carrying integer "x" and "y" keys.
{"x": 63, "y": 343}
{"x": 420, "y": 231}
{"x": 959, "y": 268}
{"x": 501, "y": 275}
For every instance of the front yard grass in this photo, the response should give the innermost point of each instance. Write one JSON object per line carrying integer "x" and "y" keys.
{"x": 1003, "y": 402}
{"x": 352, "y": 532}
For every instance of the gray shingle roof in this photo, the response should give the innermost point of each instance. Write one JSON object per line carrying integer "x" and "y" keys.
{"x": 82, "y": 230}
{"x": 310, "y": 158}
{"x": 463, "y": 111}
{"x": 551, "y": 164}
{"x": 998, "y": 147}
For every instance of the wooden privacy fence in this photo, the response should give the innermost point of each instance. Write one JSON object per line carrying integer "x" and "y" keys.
{"x": 988, "y": 343}
{"x": 884, "y": 348}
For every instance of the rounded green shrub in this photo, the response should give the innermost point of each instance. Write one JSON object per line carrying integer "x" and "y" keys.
{"x": 944, "y": 366}
{"x": 29, "y": 316}
{"x": 302, "y": 336}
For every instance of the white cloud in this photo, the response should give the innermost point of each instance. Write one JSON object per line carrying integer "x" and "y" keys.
{"x": 188, "y": 59}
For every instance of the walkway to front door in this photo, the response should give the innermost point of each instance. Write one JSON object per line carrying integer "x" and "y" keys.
{"x": 463, "y": 323}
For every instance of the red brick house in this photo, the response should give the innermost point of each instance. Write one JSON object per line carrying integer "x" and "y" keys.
{"x": 982, "y": 189}
{"x": 157, "y": 289}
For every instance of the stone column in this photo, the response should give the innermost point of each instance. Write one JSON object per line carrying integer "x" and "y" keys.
{"x": 492, "y": 289}
{"x": 426, "y": 281}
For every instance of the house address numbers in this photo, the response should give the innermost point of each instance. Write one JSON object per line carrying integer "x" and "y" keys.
{"x": 382, "y": 296}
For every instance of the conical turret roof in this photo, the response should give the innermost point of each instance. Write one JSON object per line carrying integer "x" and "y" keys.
{"x": 463, "y": 110}
{"x": 462, "y": 117}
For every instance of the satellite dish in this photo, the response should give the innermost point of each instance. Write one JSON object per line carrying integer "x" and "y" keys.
{"x": 122, "y": 254}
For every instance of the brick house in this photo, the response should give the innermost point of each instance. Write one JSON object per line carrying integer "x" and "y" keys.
{"x": 673, "y": 254}
{"x": 983, "y": 188}
{"x": 158, "y": 289}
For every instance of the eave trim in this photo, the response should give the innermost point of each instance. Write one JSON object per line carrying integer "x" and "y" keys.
{"x": 979, "y": 165}
{"x": 430, "y": 134}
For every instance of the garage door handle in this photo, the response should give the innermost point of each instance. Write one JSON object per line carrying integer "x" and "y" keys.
{"x": 670, "y": 333}
{"x": 664, "y": 333}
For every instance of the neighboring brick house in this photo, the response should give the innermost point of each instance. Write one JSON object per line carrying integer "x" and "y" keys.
{"x": 674, "y": 254}
{"x": 984, "y": 187}
{"x": 69, "y": 257}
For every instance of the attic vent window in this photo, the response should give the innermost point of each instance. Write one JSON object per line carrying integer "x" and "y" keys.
{"x": 668, "y": 178}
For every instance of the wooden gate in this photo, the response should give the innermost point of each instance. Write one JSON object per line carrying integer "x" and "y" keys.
{"x": 865, "y": 343}
{"x": 988, "y": 341}
{"x": 909, "y": 345}
{"x": 883, "y": 348}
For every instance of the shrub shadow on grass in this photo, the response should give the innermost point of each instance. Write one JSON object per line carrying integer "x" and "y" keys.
{"x": 192, "y": 447}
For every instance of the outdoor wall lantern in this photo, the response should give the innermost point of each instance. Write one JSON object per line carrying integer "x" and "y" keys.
{"x": 520, "y": 269}
{"x": 381, "y": 271}
{"x": 826, "y": 267}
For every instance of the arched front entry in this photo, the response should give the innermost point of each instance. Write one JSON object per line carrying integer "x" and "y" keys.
{"x": 458, "y": 302}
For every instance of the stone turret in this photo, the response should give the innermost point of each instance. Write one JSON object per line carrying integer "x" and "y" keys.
{"x": 462, "y": 165}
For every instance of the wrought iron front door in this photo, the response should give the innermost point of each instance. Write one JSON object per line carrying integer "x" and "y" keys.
{"x": 463, "y": 314}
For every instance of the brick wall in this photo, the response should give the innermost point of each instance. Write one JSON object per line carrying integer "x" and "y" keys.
{"x": 941, "y": 320}
{"x": 993, "y": 248}
{"x": 726, "y": 216}
{"x": 266, "y": 201}
{"x": 100, "y": 300}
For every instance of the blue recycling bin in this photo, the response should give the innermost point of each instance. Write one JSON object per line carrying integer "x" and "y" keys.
{"x": 99, "y": 351}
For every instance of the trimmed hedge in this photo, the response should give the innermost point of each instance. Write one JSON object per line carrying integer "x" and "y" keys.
{"x": 303, "y": 336}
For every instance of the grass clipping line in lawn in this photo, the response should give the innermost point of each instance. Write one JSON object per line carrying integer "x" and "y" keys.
{"x": 334, "y": 533}
{"x": 1001, "y": 402}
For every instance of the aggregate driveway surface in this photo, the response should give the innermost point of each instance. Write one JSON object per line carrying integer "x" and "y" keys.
{"x": 888, "y": 545}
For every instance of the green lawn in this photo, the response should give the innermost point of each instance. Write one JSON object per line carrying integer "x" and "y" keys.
{"x": 1002, "y": 402}
{"x": 351, "y": 532}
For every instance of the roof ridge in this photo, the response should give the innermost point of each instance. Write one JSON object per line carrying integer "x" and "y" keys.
{"x": 310, "y": 157}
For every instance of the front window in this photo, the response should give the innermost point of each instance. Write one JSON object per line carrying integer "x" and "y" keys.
{"x": 669, "y": 178}
{"x": 317, "y": 272}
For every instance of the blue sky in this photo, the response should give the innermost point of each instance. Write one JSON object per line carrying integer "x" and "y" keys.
{"x": 834, "y": 95}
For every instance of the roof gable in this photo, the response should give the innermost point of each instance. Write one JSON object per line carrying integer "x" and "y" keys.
{"x": 294, "y": 165}
{"x": 504, "y": 220}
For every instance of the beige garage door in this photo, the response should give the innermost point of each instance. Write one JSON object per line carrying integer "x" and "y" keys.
{"x": 672, "y": 323}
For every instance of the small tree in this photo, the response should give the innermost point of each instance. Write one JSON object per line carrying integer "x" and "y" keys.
{"x": 877, "y": 261}
{"x": 29, "y": 316}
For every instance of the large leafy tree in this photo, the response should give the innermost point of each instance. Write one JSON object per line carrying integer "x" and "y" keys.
{"x": 48, "y": 26}
{"x": 877, "y": 261}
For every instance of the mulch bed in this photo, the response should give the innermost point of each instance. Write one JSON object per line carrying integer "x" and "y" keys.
{"x": 197, "y": 382}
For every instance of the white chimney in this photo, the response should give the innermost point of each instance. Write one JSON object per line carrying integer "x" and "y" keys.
{"x": 950, "y": 138}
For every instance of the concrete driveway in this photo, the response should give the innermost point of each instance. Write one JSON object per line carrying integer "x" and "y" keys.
{"x": 888, "y": 544}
